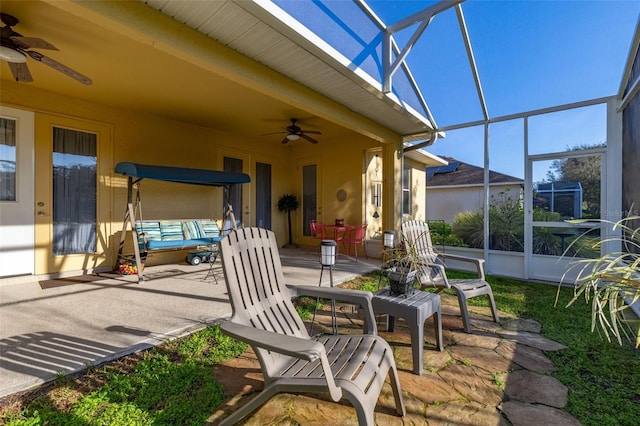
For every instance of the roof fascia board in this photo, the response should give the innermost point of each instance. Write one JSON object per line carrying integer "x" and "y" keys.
{"x": 426, "y": 158}
{"x": 284, "y": 23}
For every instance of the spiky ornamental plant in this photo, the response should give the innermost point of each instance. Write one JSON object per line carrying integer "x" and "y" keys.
{"x": 611, "y": 283}
{"x": 288, "y": 203}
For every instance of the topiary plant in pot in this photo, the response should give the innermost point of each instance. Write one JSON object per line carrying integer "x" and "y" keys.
{"x": 288, "y": 203}
{"x": 611, "y": 283}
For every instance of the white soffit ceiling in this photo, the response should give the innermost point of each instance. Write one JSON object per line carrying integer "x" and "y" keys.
{"x": 260, "y": 30}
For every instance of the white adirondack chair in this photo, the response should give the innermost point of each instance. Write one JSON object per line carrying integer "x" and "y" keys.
{"x": 353, "y": 366}
{"x": 432, "y": 271}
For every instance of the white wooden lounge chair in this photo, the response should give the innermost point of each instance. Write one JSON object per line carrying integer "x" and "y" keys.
{"x": 432, "y": 270}
{"x": 354, "y": 366}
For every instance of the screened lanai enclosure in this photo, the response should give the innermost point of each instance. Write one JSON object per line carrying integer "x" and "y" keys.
{"x": 576, "y": 160}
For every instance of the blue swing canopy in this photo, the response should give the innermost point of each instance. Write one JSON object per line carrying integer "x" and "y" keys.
{"x": 182, "y": 174}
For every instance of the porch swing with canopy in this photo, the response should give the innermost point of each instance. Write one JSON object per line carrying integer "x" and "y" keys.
{"x": 172, "y": 234}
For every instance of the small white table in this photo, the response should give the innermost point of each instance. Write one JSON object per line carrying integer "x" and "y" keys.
{"x": 415, "y": 309}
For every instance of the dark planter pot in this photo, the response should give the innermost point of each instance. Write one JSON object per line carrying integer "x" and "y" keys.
{"x": 401, "y": 282}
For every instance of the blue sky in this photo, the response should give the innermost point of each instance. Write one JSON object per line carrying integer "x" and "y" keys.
{"x": 530, "y": 55}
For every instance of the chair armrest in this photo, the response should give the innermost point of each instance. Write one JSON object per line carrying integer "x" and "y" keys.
{"x": 478, "y": 262}
{"x": 293, "y": 346}
{"x": 441, "y": 274}
{"x": 296, "y": 347}
{"x": 357, "y": 297}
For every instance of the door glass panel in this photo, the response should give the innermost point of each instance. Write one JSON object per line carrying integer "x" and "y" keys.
{"x": 263, "y": 195}
{"x": 564, "y": 189}
{"x": 570, "y": 242}
{"x": 234, "y": 165}
{"x": 7, "y": 159}
{"x": 309, "y": 197}
{"x": 74, "y": 192}
{"x": 567, "y": 188}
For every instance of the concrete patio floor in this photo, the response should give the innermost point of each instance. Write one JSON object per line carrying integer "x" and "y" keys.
{"x": 64, "y": 325}
{"x": 496, "y": 376}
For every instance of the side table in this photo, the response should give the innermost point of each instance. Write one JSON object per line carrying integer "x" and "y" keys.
{"x": 415, "y": 309}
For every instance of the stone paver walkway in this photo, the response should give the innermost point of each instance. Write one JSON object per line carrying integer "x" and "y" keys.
{"x": 496, "y": 376}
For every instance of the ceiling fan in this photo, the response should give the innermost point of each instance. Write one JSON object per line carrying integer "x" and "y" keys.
{"x": 294, "y": 132}
{"x": 14, "y": 49}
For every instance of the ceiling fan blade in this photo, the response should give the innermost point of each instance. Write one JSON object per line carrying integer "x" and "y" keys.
{"x": 285, "y": 140}
{"x": 309, "y": 138}
{"x": 273, "y": 133}
{"x": 313, "y": 132}
{"x": 20, "y": 71}
{"x": 60, "y": 67}
{"x": 33, "y": 42}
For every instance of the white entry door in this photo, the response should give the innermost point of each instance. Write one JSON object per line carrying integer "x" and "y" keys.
{"x": 16, "y": 192}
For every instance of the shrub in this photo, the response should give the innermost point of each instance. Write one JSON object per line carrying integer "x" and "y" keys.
{"x": 469, "y": 227}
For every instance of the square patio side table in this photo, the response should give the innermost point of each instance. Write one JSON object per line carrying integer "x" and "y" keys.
{"x": 415, "y": 309}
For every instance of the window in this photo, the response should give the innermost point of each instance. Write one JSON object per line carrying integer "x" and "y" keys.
{"x": 309, "y": 196}
{"x": 406, "y": 190}
{"x": 7, "y": 159}
{"x": 74, "y": 192}
{"x": 263, "y": 195}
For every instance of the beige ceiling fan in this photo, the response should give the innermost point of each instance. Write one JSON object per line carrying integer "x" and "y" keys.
{"x": 15, "y": 48}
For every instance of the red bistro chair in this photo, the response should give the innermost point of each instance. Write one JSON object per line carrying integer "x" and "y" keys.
{"x": 316, "y": 230}
{"x": 355, "y": 236}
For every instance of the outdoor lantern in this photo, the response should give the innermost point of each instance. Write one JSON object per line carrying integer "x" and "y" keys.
{"x": 389, "y": 236}
{"x": 328, "y": 253}
{"x": 327, "y": 259}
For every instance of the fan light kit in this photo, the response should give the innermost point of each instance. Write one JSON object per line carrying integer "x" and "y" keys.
{"x": 14, "y": 49}
{"x": 294, "y": 132}
{"x": 10, "y": 55}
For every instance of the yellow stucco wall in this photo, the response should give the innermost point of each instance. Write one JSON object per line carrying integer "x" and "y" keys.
{"x": 149, "y": 139}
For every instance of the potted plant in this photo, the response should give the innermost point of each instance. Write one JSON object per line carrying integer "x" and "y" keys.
{"x": 402, "y": 269}
{"x": 288, "y": 203}
{"x": 612, "y": 283}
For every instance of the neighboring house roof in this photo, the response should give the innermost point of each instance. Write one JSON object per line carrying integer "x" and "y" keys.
{"x": 458, "y": 173}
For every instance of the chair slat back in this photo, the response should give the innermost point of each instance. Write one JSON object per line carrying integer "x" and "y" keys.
{"x": 255, "y": 282}
{"x": 417, "y": 236}
{"x": 360, "y": 232}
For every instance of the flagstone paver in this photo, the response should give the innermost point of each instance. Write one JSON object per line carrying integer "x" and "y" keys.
{"x": 536, "y": 388}
{"x": 525, "y": 356}
{"x": 498, "y": 375}
{"x": 521, "y": 414}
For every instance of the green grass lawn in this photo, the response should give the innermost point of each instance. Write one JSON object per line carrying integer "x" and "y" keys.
{"x": 603, "y": 377}
{"x": 172, "y": 384}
